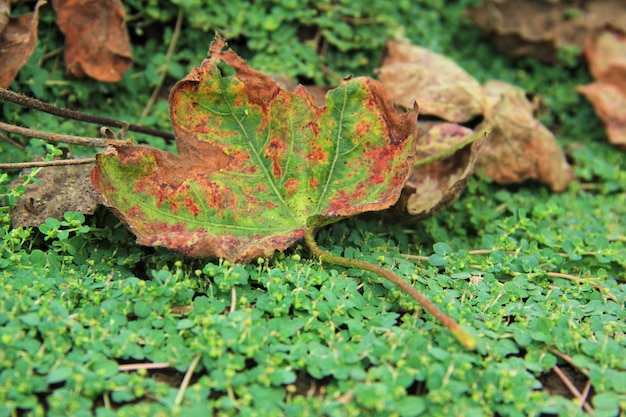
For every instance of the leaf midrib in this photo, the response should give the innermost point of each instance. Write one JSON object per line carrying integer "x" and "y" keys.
{"x": 254, "y": 153}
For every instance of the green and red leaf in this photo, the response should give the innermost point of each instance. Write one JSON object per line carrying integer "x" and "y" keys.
{"x": 257, "y": 165}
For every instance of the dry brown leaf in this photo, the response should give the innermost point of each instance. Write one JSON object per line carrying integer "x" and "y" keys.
{"x": 519, "y": 147}
{"x": 610, "y": 105}
{"x": 97, "y": 42}
{"x": 5, "y": 12}
{"x": 540, "y": 28}
{"x": 605, "y": 51}
{"x": 17, "y": 41}
{"x": 440, "y": 87}
{"x": 437, "y": 184}
{"x": 63, "y": 188}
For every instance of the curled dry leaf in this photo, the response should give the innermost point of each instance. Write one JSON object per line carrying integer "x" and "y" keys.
{"x": 606, "y": 53}
{"x": 62, "y": 188}
{"x": 519, "y": 146}
{"x": 440, "y": 86}
{"x": 96, "y": 38}
{"x": 256, "y": 165}
{"x": 540, "y": 28}
{"x": 433, "y": 185}
{"x": 17, "y": 41}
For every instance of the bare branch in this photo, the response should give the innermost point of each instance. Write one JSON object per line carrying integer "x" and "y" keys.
{"x": 56, "y": 163}
{"x": 55, "y": 137}
{"x": 31, "y": 103}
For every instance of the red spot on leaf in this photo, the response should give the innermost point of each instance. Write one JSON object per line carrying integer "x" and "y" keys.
{"x": 192, "y": 206}
{"x": 317, "y": 154}
{"x": 275, "y": 151}
{"x": 291, "y": 185}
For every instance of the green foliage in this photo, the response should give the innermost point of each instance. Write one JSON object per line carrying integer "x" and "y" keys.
{"x": 78, "y": 297}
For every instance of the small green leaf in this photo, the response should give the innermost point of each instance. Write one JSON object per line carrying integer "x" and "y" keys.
{"x": 59, "y": 374}
{"x": 437, "y": 260}
{"x": 184, "y": 324}
{"x": 442, "y": 249}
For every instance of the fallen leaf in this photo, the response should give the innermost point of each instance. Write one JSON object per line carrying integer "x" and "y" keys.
{"x": 62, "y": 188}
{"x": 519, "y": 146}
{"x": 5, "y": 12}
{"x": 540, "y": 28}
{"x": 256, "y": 165}
{"x": 96, "y": 38}
{"x": 440, "y": 86}
{"x": 610, "y": 104}
{"x": 605, "y": 51}
{"x": 433, "y": 185}
{"x": 17, "y": 41}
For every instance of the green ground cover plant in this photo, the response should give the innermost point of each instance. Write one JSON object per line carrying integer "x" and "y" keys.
{"x": 93, "y": 324}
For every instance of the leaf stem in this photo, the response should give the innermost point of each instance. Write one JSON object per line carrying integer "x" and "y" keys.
{"x": 464, "y": 337}
{"x": 31, "y": 103}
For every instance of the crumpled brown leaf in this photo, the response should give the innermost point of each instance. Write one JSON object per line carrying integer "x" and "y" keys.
{"x": 540, "y": 28}
{"x": 434, "y": 185}
{"x": 519, "y": 146}
{"x": 63, "y": 188}
{"x": 440, "y": 86}
{"x": 606, "y": 53}
{"x": 97, "y": 42}
{"x": 17, "y": 41}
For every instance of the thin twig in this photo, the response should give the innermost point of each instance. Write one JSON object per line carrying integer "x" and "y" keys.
{"x": 12, "y": 142}
{"x": 31, "y": 103}
{"x": 55, "y": 163}
{"x": 168, "y": 58}
{"x": 137, "y": 366}
{"x": 590, "y": 282}
{"x": 55, "y": 137}
{"x": 567, "y": 358}
{"x": 572, "y": 388}
{"x": 186, "y": 380}
{"x": 550, "y": 274}
{"x": 233, "y": 300}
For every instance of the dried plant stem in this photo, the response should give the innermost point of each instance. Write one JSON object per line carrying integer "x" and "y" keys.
{"x": 31, "y": 103}
{"x": 168, "y": 58}
{"x": 12, "y": 142}
{"x": 573, "y": 390}
{"x": 186, "y": 380}
{"x": 138, "y": 366}
{"x": 55, "y": 163}
{"x": 464, "y": 337}
{"x": 548, "y": 273}
{"x": 450, "y": 151}
{"x": 55, "y": 137}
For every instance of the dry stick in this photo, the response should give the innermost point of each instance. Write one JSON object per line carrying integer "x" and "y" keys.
{"x": 464, "y": 337}
{"x": 567, "y": 358}
{"x": 233, "y": 299}
{"x": 12, "y": 142}
{"x": 186, "y": 380}
{"x": 55, "y": 137}
{"x": 168, "y": 58}
{"x": 56, "y": 163}
{"x": 550, "y": 274}
{"x": 572, "y": 389}
{"x": 137, "y": 366}
{"x": 31, "y": 103}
